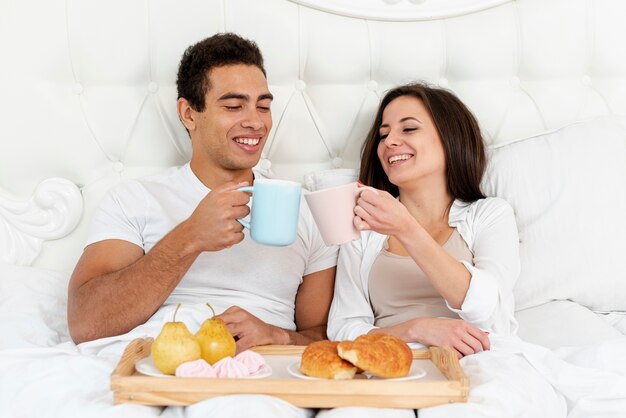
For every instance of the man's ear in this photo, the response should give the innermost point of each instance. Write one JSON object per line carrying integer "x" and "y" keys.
{"x": 186, "y": 114}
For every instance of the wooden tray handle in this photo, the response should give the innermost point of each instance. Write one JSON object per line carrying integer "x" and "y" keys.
{"x": 136, "y": 349}
{"x": 446, "y": 361}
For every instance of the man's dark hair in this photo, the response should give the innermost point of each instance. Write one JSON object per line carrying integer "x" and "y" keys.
{"x": 458, "y": 129}
{"x": 216, "y": 51}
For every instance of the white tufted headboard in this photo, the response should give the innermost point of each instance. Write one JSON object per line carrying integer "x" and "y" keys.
{"x": 87, "y": 87}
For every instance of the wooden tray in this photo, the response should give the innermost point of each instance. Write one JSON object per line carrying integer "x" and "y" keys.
{"x": 445, "y": 383}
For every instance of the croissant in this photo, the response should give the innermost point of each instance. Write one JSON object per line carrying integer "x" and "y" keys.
{"x": 320, "y": 359}
{"x": 382, "y": 355}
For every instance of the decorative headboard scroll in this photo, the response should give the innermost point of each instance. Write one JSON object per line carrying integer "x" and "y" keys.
{"x": 51, "y": 213}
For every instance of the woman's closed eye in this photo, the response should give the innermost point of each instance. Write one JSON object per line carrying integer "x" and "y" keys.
{"x": 383, "y": 136}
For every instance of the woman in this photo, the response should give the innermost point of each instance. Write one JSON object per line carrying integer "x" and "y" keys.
{"x": 437, "y": 260}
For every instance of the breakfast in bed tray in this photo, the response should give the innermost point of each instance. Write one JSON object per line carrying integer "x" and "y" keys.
{"x": 378, "y": 370}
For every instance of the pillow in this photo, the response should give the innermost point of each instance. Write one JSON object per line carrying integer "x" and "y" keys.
{"x": 33, "y": 307}
{"x": 563, "y": 323}
{"x": 324, "y": 179}
{"x": 568, "y": 191}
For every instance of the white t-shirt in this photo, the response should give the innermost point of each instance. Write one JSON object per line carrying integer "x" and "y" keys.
{"x": 489, "y": 229}
{"x": 261, "y": 279}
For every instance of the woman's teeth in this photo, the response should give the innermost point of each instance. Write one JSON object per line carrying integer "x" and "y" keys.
{"x": 399, "y": 158}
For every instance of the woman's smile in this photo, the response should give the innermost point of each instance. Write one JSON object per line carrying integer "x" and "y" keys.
{"x": 398, "y": 159}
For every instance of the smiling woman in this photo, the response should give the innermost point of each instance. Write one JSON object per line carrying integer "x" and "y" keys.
{"x": 436, "y": 115}
{"x": 410, "y": 147}
{"x": 438, "y": 260}
{"x": 88, "y": 93}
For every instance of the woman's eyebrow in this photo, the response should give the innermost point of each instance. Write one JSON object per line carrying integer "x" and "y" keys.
{"x": 409, "y": 118}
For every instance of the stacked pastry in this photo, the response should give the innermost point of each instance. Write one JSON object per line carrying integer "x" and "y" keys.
{"x": 382, "y": 355}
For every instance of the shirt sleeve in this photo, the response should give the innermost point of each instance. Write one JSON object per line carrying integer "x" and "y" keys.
{"x": 120, "y": 215}
{"x": 489, "y": 302}
{"x": 350, "y": 313}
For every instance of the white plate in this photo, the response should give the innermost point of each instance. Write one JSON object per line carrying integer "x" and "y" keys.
{"x": 146, "y": 366}
{"x": 294, "y": 370}
{"x": 415, "y": 373}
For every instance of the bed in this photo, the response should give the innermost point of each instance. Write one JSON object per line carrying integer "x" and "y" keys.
{"x": 87, "y": 99}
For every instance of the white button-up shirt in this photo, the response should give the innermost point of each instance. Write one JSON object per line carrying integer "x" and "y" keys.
{"x": 489, "y": 229}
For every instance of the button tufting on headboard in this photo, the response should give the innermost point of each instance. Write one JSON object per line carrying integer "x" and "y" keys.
{"x": 87, "y": 88}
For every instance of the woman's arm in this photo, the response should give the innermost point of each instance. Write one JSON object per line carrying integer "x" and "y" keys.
{"x": 384, "y": 214}
{"x": 461, "y": 336}
{"x": 489, "y": 303}
{"x": 482, "y": 293}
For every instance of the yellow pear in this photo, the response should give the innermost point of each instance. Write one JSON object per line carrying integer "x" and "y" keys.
{"x": 215, "y": 340}
{"x": 173, "y": 346}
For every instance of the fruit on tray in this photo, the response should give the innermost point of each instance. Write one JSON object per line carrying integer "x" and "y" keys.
{"x": 173, "y": 346}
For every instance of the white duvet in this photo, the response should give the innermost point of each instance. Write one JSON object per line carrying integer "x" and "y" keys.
{"x": 43, "y": 374}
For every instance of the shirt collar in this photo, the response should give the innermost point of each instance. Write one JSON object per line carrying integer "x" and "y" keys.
{"x": 200, "y": 187}
{"x": 458, "y": 212}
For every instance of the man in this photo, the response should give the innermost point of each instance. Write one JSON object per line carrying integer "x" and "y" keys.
{"x": 174, "y": 237}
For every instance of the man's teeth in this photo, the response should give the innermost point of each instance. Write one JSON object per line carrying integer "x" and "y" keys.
{"x": 247, "y": 141}
{"x": 399, "y": 158}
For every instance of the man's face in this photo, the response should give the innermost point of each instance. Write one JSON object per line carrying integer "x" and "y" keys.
{"x": 231, "y": 131}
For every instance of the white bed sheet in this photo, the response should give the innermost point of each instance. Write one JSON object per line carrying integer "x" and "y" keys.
{"x": 42, "y": 373}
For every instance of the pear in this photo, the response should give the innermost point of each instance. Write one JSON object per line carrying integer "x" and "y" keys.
{"x": 173, "y": 346}
{"x": 215, "y": 340}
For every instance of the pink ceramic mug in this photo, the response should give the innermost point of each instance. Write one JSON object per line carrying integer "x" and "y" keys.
{"x": 333, "y": 212}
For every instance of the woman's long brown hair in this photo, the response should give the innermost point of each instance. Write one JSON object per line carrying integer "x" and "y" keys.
{"x": 458, "y": 129}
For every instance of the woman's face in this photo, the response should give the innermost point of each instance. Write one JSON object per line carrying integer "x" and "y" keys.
{"x": 410, "y": 149}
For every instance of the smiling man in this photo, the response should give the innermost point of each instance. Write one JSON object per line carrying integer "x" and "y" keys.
{"x": 175, "y": 238}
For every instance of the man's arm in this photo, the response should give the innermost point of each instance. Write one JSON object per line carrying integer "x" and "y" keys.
{"x": 115, "y": 287}
{"x": 313, "y": 301}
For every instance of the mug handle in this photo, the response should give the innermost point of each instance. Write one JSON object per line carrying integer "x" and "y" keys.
{"x": 249, "y": 189}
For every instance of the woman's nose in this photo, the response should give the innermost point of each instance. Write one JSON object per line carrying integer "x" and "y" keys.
{"x": 392, "y": 140}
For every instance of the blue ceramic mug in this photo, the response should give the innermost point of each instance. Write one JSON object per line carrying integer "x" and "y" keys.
{"x": 275, "y": 211}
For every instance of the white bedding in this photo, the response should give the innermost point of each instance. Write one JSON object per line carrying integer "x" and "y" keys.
{"x": 39, "y": 362}
{"x": 98, "y": 80}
